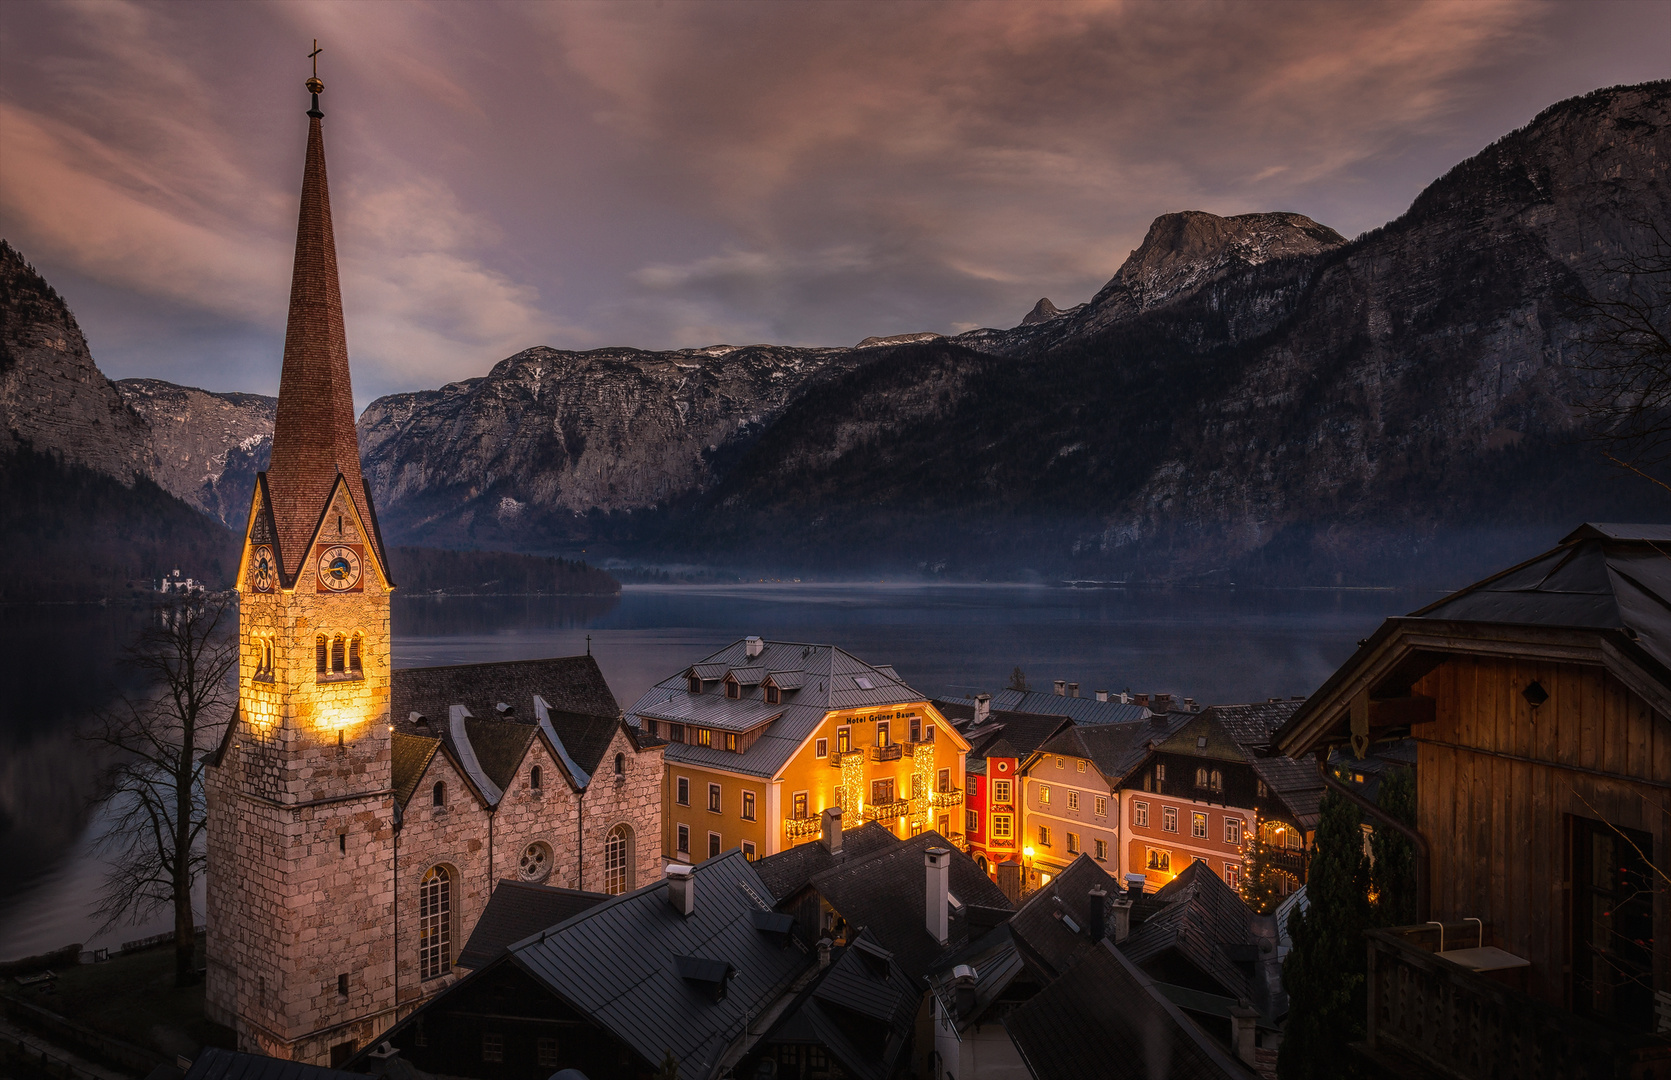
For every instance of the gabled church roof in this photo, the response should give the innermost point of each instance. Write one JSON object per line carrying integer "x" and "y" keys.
{"x": 314, "y": 439}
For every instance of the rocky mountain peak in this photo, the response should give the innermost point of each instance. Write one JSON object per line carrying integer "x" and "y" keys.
{"x": 1043, "y": 311}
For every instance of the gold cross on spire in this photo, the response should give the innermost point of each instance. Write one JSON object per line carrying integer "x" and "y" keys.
{"x": 314, "y": 85}
{"x": 314, "y": 56}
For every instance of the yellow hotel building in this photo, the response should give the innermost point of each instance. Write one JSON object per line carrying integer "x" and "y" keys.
{"x": 764, "y": 735}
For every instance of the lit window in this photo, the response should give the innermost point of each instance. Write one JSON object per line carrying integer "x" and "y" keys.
{"x": 1081, "y": 763}
{"x": 1169, "y": 819}
{"x": 1102, "y": 850}
{"x": 1100, "y": 806}
{"x": 1215, "y": 780}
{"x": 435, "y": 929}
{"x": 493, "y": 1047}
{"x": 1160, "y": 860}
{"x": 1201, "y": 778}
{"x": 1073, "y": 800}
{"x": 844, "y": 740}
{"x": 882, "y": 734}
{"x": 684, "y": 840}
{"x": 1233, "y": 875}
{"x": 713, "y": 845}
{"x": 617, "y": 861}
{"x": 928, "y": 733}
{"x": 1160, "y": 773}
{"x": 1233, "y": 831}
{"x": 339, "y": 655}
{"x": 1002, "y": 826}
{"x": 534, "y": 778}
{"x": 1061, "y": 762}
{"x": 821, "y": 748}
{"x": 682, "y": 796}
{"x": 1263, "y": 791}
{"x": 321, "y": 653}
{"x": 748, "y": 850}
{"x": 1073, "y": 843}
{"x": 943, "y": 780}
{"x": 547, "y": 1049}
{"x": 882, "y": 791}
{"x": 1140, "y": 814}
{"x": 704, "y": 737}
{"x": 748, "y": 806}
{"x": 713, "y": 798}
{"x": 1001, "y": 792}
{"x": 1044, "y": 794}
{"x": 797, "y": 805}
{"x": 916, "y": 729}
{"x": 1198, "y": 825}
{"x": 731, "y": 741}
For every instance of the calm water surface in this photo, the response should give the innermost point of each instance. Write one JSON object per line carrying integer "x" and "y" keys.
{"x": 1216, "y": 646}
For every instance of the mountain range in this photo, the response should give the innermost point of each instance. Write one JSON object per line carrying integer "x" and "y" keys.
{"x": 1251, "y": 398}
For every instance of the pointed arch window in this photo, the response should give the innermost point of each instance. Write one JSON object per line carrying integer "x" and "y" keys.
{"x": 438, "y": 794}
{"x": 534, "y": 778}
{"x": 321, "y": 653}
{"x": 435, "y": 917}
{"x": 354, "y": 654}
{"x": 339, "y": 659}
{"x": 617, "y": 861}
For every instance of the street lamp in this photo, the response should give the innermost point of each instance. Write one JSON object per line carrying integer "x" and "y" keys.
{"x": 1027, "y": 864}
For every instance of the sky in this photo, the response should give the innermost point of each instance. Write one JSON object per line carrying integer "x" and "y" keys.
{"x": 669, "y": 175}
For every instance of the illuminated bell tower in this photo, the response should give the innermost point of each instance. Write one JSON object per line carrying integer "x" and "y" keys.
{"x": 300, "y": 835}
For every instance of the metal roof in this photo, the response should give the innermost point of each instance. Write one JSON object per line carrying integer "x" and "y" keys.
{"x": 516, "y": 910}
{"x": 214, "y": 1063}
{"x": 709, "y": 710}
{"x": 1083, "y": 710}
{"x": 616, "y": 964}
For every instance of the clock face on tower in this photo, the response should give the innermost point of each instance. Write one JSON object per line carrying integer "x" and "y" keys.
{"x": 261, "y": 571}
{"x": 339, "y": 568}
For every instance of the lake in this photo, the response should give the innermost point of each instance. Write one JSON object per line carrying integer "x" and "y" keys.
{"x": 1216, "y": 646}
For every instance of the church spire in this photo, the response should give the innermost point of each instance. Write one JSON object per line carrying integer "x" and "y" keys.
{"x": 313, "y": 433}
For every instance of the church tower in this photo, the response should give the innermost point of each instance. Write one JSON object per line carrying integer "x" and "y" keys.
{"x": 301, "y": 812}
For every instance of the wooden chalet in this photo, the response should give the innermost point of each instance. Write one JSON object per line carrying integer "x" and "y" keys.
{"x": 1539, "y": 701}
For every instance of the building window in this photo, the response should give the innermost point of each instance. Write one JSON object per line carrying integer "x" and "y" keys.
{"x": 971, "y": 821}
{"x": 1061, "y": 762}
{"x": 748, "y": 806}
{"x": 435, "y": 923}
{"x": 1198, "y": 825}
{"x": 1080, "y": 762}
{"x": 1200, "y": 778}
{"x": 342, "y": 985}
{"x": 733, "y": 689}
{"x": 1044, "y": 794}
{"x": 713, "y": 798}
{"x": 774, "y": 696}
{"x": 928, "y": 733}
{"x": 321, "y": 654}
{"x": 943, "y": 781}
{"x": 797, "y": 806}
{"x": 1073, "y": 800}
{"x": 617, "y": 861}
{"x": 263, "y": 659}
{"x": 339, "y": 659}
{"x": 676, "y": 733}
{"x": 844, "y": 740}
{"x": 1159, "y": 860}
{"x": 1044, "y": 836}
{"x": 881, "y": 791}
{"x": 1169, "y": 819}
{"x": 731, "y": 741}
{"x": 535, "y": 864}
{"x": 534, "y": 778}
{"x": 694, "y": 683}
{"x": 1002, "y": 826}
{"x": 821, "y": 748}
{"x": 882, "y": 733}
{"x": 1102, "y": 850}
{"x": 1263, "y": 790}
{"x": 493, "y": 1046}
{"x": 1160, "y": 774}
{"x": 438, "y": 794}
{"x": 684, "y": 840}
{"x": 1215, "y": 780}
{"x": 704, "y": 736}
{"x": 547, "y": 1050}
{"x": 1233, "y": 875}
{"x": 1233, "y": 831}
{"x": 1001, "y": 792}
{"x": 682, "y": 793}
{"x": 1140, "y": 813}
{"x": 748, "y": 850}
{"x": 916, "y": 729}
{"x": 620, "y": 765}
{"x": 1073, "y": 843}
{"x": 354, "y": 654}
{"x": 1100, "y": 806}
{"x": 713, "y": 845}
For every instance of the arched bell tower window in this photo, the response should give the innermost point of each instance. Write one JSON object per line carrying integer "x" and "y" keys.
{"x": 534, "y": 778}
{"x": 617, "y": 861}
{"x": 321, "y": 652}
{"x": 620, "y": 764}
{"x": 354, "y": 654}
{"x": 439, "y": 793}
{"x": 339, "y": 660}
{"x": 435, "y": 918}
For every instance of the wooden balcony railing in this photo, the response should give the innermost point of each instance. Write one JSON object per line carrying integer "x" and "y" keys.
{"x": 949, "y": 797}
{"x": 890, "y": 752}
{"x": 837, "y": 755}
{"x": 1291, "y": 860}
{"x": 883, "y": 811}
{"x": 795, "y": 828}
{"x": 1430, "y": 1014}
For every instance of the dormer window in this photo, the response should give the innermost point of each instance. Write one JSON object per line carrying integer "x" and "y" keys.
{"x": 704, "y": 736}
{"x": 774, "y": 696}
{"x": 695, "y": 684}
{"x": 731, "y": 741}
{"x": 733, "y": 689}
{"x": 1215, "y": 780}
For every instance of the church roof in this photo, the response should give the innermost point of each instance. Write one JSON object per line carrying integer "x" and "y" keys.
{"x": 313, "y": 432}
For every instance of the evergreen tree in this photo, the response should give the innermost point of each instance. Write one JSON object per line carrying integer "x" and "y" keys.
{"x": 1393, "y": 875}
{"x": 1326, "y": 971}
{"x": 1018, "y": 680}
{"x": 1259, "y": 879}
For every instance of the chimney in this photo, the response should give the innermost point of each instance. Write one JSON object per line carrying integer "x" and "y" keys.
{"x": 963, "y": 989}
{"x": 1073, "y": 689}
{"x": 1243, "y": 1021}
{"x": 939, "y": 863}
{"x": 681, "y": 887}
{"x": 1061, "y": 688}
{"x": 1141, "y": 700}
{"x": 983, "y": 708}
{"x": 1163, "y": 702}
{"x": 823, "y": 953}
{"x": 1102, "y": 695}
{"x": 1189, "y": 703}
{"x": 832, "y": 829}
{"x": 1122, "y": 919}
{"x": 1099, "y": 905}
{"x": 753, "y": 646}
{"x": 1134, "y": 885}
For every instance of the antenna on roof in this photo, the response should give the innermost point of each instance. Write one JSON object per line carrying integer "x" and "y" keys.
{"x": 588, "y": 644}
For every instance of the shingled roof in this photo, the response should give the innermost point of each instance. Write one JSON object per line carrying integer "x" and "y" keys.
{"x": 1013, "y": 734}
{"x": 572, "y": 684}
{"x": 788, "y": 872}
{"x": 887, "y": 893}
{"x": 1204, "y": 922}
{"x": 1045, "y": 937}
{"x": 1105, "y": 1011}
{"x": 1253, "y": 724}
{"x": 518, "y": 910}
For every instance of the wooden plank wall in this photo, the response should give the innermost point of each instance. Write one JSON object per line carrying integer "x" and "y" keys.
{"x": 1498, "y": 822}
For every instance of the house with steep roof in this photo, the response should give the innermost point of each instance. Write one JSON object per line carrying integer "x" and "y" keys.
{"x": 1539, "y": 703}
{"x": 993, "y": 830}
{"x": 694, "y": 967}
{"x": 763, "y": 736}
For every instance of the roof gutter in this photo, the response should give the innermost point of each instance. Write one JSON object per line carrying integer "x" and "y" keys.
{"x": 1424, "y": 896}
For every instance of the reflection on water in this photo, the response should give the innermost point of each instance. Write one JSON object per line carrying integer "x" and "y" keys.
{"x": 61, "y": 664}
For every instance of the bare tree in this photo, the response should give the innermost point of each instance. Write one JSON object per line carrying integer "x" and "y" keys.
{"x": 156, "y": 740}
{"x": 1624, "y": 351}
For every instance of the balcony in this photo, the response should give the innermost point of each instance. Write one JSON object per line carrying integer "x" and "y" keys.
{"x": 890, "y": 752}
{"x": 1290, "y": 860}
{"x": 795, "y": 828}
{"x": 1432, "y": 1016}
{"x": 887, "y": 811}
{"x": 837, "y": 755}
{"x": 949, "y": 797}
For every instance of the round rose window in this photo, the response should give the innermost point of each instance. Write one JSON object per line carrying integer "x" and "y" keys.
{"x": 535, "y": 864}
